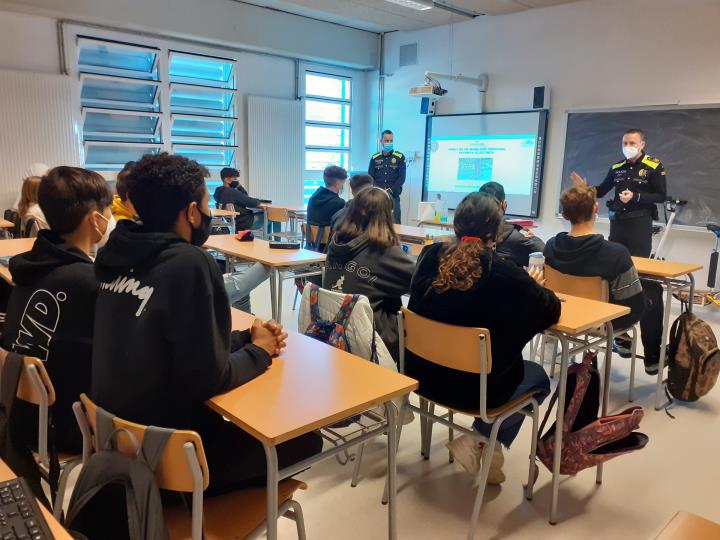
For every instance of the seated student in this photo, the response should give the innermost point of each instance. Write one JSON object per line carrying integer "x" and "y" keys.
{"x": 162, "y": 325}
{"x": 358, "y": 183}
{"x": 28, "y": 208}
{"x": 326, "y": 201}
{"x": 122, "y": 208}
{"x": 35, "y": 169}
{"x": 231, "y": 192}
{"x": 50, "y": 312}
{"x": 365, "y": 239}
{"x": 466, "y": 283}
{"x": 515, "y": 243}
{"x": 581, "y": 252}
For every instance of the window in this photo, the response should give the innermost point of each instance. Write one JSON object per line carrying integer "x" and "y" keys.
{"x": 129, "y": 110}
{"x": 328, "y": 105}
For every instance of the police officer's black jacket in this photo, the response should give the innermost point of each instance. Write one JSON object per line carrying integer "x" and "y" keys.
{"x": 388, "y": 171}
{"x": 645, "y": 178}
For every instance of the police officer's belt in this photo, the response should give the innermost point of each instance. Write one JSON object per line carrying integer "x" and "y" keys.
{"x": 621, "y": 216}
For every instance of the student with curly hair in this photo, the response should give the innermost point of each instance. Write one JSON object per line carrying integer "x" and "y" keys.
{"x": 466, "y": 283}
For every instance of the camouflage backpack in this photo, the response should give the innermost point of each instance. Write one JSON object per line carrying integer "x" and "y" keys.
{"x": 693, "y": 358}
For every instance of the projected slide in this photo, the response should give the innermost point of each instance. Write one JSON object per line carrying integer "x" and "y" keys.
{"x": 465, "y": 151}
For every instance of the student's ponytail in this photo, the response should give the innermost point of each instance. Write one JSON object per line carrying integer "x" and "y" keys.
{"x": 477, "y": 223}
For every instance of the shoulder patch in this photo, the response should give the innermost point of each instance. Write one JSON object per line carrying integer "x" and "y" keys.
{"x": 398, "y": 155}
{"x": 618, "y": 165}
{"x": 375, "y": 156}
{"x": 651, "y": 162}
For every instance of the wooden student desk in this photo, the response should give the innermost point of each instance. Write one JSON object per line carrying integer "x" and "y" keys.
{"x": 674, "y": 276}
{"x": 309, "y": 386}
{"x": 414, "y": 239}
{"x": 10, "y": 248}
{"x": 57, "y": 530}
{"x": 280, "y": 261}
{"x": 5, "y": 224}
{"x": 578, "y": 316}
{"x": 687, "y": 526}
{"x": 217, "y": 212}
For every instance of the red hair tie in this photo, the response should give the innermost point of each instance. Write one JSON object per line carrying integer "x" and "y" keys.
{"x": 470, "y": 239}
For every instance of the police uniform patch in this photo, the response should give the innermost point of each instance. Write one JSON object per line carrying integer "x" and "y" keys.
{"x": 394, "y": 161}
{"x": 642, "y": 173}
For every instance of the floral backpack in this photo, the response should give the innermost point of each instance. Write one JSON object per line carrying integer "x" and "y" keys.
{"x": 589, "y": 440}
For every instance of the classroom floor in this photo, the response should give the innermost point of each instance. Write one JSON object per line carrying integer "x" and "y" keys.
{"x": 678, "y": 470}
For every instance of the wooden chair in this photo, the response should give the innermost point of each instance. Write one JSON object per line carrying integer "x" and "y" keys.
{"x": 466, "y": 349}
{"x": 36, "y": 388}
{"x": 184, "y": 468}
{"x": 316, "y": 236}
{"x": 32, "y": 227}
{"x": 592, "y": 288}
{"x": 280, "y": 215}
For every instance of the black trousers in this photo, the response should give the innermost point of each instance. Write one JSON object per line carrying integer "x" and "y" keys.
{"x": 237, "y": 460}
{"x": 396, "y": 208}
{"x": 636, "y": 235}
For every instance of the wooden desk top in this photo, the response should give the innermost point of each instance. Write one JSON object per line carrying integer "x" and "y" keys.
{"x": 10, "y": 248}
{"x": 216, "y": 212}
{"x": 579, "y": 314}
{"x": 291, "y": 209}
{"x": 57, "y": 530}
{"x": 241, "y": 320}
{"x": 417, "y": 233}
{"x": 310, "y": 385}
{"x": 527, "y": 223}
{"x": 660, "y": 268}
{"x": 5, "y": 224}
{"x": 687, "y": 526}
{"x": 433, "y": 223}
{"x": 259, "y": 251}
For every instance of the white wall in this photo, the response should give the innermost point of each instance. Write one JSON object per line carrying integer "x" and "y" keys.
{"x": 28, "y": 43}
{"x": 609, "y": 53}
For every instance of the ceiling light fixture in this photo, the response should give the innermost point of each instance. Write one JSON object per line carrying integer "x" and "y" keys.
{"x": 419, "y": 5}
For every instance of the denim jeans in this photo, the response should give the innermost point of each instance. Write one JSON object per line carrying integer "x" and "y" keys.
{"x": 535, "y": 379}
{"x": 239, "y": 284}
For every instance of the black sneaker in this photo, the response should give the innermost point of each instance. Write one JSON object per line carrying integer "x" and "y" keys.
{"x": 623, "y": 346}
{"x": 652, "y": 365}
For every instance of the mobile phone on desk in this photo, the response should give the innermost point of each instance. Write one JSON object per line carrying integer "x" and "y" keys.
{"x": 284, "y": 245}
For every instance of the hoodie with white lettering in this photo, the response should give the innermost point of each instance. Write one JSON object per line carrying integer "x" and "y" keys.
{"x": 162, "y": 331}
{"x": 50, "y": 316}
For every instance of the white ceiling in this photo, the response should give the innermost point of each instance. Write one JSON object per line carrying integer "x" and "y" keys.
{"x": 383, "y": 16}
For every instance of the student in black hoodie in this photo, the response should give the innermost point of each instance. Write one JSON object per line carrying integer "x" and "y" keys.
{"x": 231, "y": 192}
{"x": 50, "y": 312}
{"x": 514, "y": 243}
{"x": 581, "y": 252}
{"x": 466, "y": 283}
{"x": 364, "y": 257}
{"x": 162, "y": 324}
{"x": 326, "y": 201}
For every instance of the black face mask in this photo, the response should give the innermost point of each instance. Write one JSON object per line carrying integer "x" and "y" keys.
{"x": 200, "y": 235}
{"x": 234, "y": 184}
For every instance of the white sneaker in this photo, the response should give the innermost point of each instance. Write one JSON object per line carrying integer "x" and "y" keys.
{"x": 467, "y": 451}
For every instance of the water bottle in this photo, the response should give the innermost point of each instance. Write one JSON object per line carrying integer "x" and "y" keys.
{"x": 537, "y": 260}
{"x": 440, "y": 209}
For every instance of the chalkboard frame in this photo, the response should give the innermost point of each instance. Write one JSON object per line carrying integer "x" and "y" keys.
{"x": 542, "y": 136}
{"x": 564, "y": 181}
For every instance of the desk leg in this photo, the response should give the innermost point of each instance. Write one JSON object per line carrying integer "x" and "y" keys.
{"x": 280, "y": 278}
{"x": 265, "y": 224}
{"x": 272, "y": 491}
{"x": 691, "y": 278}
{"x": 559, "y": 427}
{"x": 607, "y": 370}
{"x": 663, "y": 345}
{"x": 391, "y": 414}
{"x": 273, "y": 292}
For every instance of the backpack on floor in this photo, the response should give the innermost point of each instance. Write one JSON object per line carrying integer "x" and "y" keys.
{"x": 333, "y": 332}
{"x": 693, "y": 358}
{"x": 13, "y": 451}
{"x": 587, "y": 439}
{"x": 116, "y": 496}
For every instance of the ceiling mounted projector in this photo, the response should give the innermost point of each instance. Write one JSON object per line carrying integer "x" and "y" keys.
{"x": 427, "y": 90}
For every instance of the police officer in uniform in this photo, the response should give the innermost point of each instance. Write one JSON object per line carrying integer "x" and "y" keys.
{"x": 388, "y": 171}
{"x": 640, "y": 185}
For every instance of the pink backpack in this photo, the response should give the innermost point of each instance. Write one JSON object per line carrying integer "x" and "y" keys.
{"x": 587, "y": 439}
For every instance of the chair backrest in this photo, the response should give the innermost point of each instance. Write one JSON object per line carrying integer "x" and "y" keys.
{"x": 173, "y": 472}
{"x": 592, "y": 288}
{"x": 277, "y": 214}
{"x": 14, "y": 217}
{"x": 31, "y": 228}
{"x": 311, "y": 234}
{"x": 28, "y": 389}
{"x": 461, "y": 347}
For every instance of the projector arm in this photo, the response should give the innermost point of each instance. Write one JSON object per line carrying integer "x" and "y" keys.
{"x": 481, "y": 82}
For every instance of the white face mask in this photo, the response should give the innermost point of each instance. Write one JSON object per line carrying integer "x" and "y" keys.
{"x": 630, "y": 152}
{"x": 110, "y": 228}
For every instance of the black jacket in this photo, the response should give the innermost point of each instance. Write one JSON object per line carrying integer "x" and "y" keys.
{"x": 162, "y": 331}
{"x": 592, "y": 255}
{"x": 381, "y": 275}
{"x": 242, "y": 202}
{"x": 516, "y": 243}
{"x": 322, "y": 206}
{"x": 50, "y": 316}
{"x": 645, "y": 178}
{"x": 506, "y": 301}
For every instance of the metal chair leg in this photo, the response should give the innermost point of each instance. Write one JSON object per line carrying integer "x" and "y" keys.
{"x": 428, "y": 432}
{"x": 423, "y": 425}
{"x": 401, "y": 413}
{"x": 533, "y": 451}
{"x": 356, "y": 467}
{"x": 299, "y": 519}
{"x": 62, "y": 487}
{"x": 295, "y": 299}
{"x": 633, "y": 357}
{"x": 482, "y": 478}
{"x": 451, "y": 435}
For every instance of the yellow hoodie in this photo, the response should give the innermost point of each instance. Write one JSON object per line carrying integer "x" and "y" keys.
{"x": 120, "y": 211}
